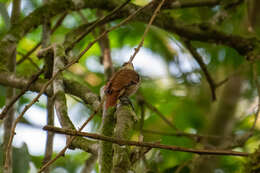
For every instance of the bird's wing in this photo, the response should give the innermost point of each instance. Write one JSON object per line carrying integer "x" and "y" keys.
{"x": 122, "y": 79}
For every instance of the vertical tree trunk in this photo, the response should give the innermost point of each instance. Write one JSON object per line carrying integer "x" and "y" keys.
{"x": 10, "y": 93}
{"x": 106, "y": 148}
{"x": 46, "y": 34}
{"x": 124, "y": 124}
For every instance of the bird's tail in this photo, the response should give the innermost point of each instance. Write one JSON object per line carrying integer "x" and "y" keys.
{"x": 111, "y": 99}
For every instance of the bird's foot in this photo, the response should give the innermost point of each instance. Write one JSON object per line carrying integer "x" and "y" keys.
{"x": 126, "y": 101}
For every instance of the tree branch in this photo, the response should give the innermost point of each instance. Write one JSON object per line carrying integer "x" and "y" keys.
{"x": 154, "y": 109}
{"x": 10, "y": 94}
{"x": 199, "y": 32}
{"x": 48, "y": 71}
{"x": 144, "y": 144}
{"x": 71, "y": 87}
{"x": 26, "y": 88}
{"x": 203, "y": 67}
{"x": 106, "y": 149}
{"x": 173, "y": 4}
{"x": 125, "y": 119}
{"x": 156, "y": 11}
{"x": 58, "y": 89}
{"x": 74, "y": 139}
{"x": 61, "y": 108}
{"x": 50, "y": 135}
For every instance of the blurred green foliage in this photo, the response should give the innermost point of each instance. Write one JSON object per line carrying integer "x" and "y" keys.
{"x": 21, "y": 159}
{"x": 183, "y": 100}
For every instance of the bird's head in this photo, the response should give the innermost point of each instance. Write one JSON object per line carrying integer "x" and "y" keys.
{"x": 128, "y": 65}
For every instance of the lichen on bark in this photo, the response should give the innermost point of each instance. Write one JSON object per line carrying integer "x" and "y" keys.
{"x": 124, "y": 125}
{"x": 106, "y": 148}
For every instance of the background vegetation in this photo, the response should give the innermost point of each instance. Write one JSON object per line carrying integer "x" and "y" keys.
{"x": 199, "y": 68}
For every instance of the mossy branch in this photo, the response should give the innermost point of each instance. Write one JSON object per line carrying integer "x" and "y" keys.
{"x": 124, "y": 125}
{"x": 106, "y": 148}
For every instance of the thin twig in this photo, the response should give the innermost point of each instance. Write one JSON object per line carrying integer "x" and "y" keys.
{"x": 59, "y": 22}
{"x": 146, "y": 30}
{"x": 143, "y": 144}
{"x": 140, "y": 152}
{"x": 50, "y": 135}
{"x": 26, "y": 88}
{"x": 28, "y": 54}
{"x": 195, "y": 137}
{"x": 154, "y": 109}
{"x": 199, "y": 59}
{"x": 30, "y": 60}
{"x": 219, "y": 84}
{"x": 70, "y": 140}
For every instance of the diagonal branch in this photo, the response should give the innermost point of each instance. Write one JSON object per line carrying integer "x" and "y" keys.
{"x": 199, "y": 60}
{"x": 156, "y": 11}
{"x": 30, "y": 60}
{"x": 61, "y": 106}
{"x": 69, "y": 143}
{"x": 154, "y": 109}
{"x": 26, "y": 88}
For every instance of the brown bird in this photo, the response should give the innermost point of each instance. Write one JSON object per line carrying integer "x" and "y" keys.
{"x": 123, "y": 83}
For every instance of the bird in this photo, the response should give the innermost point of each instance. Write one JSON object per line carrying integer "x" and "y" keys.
{"x": 123, "y": 83}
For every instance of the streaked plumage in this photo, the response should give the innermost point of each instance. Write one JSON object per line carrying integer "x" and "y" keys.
{"x": 124, "y": 82}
